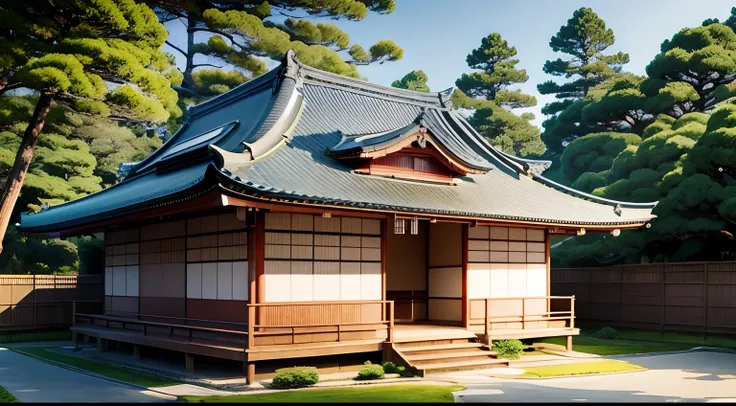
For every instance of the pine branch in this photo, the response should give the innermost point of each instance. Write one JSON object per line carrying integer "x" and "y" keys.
{"x": 176, "y": 48}
{"x": 206, "y": 64}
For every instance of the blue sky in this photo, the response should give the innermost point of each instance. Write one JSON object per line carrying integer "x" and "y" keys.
{"x": 436, "y": 35}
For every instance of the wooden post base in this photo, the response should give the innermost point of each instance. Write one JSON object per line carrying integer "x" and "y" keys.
{"x": 137, "y": 351}
{"x": 250, "y": 372}
{"x": 568, "y": 343}
{"x": 75, "y": 337}
{"x": 101, "y": 344}
{"x": 189, "y": 362}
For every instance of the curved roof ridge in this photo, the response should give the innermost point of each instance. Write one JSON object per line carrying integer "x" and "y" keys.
{"x": 594, "y": 198}
{"x": 317, "y": 75}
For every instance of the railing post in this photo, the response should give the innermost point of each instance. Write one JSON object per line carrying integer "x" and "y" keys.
{"x": 523, "y": 313}
{"x": 572, "y": 311}
{"x": 251, "y": 323}
{"x": 391, "y": 321}
{"x": 487, "y": 321}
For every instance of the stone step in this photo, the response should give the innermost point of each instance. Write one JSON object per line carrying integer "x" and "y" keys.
{"x": 435, "y": 348}
{"x": 445, "y": 355}
{"x": 463, "y": 365}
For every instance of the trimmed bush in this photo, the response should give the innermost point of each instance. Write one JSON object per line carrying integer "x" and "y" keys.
{"x": 508, "y": 349}
{"x": 294, "y": 377}
{"x": 390, "y": 367}
{"x": 607, "y": 333}
{"x": 370, "y": 371}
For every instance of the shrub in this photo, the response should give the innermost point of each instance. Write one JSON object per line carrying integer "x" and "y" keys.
{"x": 370, "y": 371}
{"x": 390, "y": 367}
{"x": 295, "y": 377}
{"x": 508, "y": 349}
{"x": 607, "y": 333}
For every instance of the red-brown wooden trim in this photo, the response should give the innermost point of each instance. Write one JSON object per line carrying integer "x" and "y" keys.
{"x": 384, "y": 233}
{"x": 465, "y": 309}
{"x": 260, "y": 256}
{"x": 548, "y": 263}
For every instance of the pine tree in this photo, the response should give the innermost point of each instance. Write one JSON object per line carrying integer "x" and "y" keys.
{"x": 487, "y": 92}
{"x": 583, "y": 39}
{"x": 415, "y": 80}
{"x": 240, "y": 34}
{"x": 99, "y": 57}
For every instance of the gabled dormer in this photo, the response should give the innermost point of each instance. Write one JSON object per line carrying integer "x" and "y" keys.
{"x": 414, "y": 152}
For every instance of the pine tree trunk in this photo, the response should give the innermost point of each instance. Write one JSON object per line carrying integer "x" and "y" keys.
{"x": 188, "y": 81}
{"x": 22, "y": 162}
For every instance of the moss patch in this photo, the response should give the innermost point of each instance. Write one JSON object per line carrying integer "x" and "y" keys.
{"x": 601, "y": 346}
{"x": 119, "y": 373}
{"x": 582, "y": 368}
{"x": 367, "y": 394}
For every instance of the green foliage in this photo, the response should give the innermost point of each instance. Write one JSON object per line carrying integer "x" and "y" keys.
{"x": 294, "y": 377}
{"x": 389, "y": 367}
{"x": 508, "y": 349}
{"x": 487, "y": 92}
{"x": 583, "y": 39}
{"x": 606, "y": 333}
{"x": 497, "y": 71}
{"x": 696, "y": 60}
{"x": 595, "y": 152}
{"x": 415, "y": 80}
{"x": 370, "y": 371}
{"x": 68, "y": 58}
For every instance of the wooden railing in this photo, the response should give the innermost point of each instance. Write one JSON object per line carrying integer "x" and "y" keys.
{"x": 345, "y": 320}
{"x": 521, "y": 312}
{"x": 339, "y": 319}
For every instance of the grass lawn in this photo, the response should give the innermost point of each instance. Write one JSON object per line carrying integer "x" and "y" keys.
{"x": 582, "y": 368}
{"x": 712, "y": 340}
{"x": 6, "y": 397}
{"x": 601, "y": 346}
{"x": 368, "y": 394}
{"x": 123, "y": 374}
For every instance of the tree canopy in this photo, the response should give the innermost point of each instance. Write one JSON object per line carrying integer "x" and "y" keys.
{"x": 239, "y": 34}
{"x": 415, "y": 80}
{"x": 584, "y": 40}
{"x": 487, "y": 93}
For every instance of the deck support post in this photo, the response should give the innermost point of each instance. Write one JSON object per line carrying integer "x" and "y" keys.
{"x": 75, "y": 337}
{"x": 189, "y": 362}
{"x": 136, "y": 351}
{"x": 568, "y": 343}
{"x": 101, "y": 344}
{"x": 387, "y": 352}
{"x": 250, "y": 372}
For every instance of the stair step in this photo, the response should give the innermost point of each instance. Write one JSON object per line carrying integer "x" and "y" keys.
{"x": 463, "y": 365}
{"x": 456, "y": 346}
{"x": 449, "y": 355}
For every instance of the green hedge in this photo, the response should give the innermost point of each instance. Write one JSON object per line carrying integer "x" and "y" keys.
{"x": 508, "y": 349}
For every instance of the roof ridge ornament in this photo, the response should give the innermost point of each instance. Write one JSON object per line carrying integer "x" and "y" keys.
{"x": 293, "y": 67}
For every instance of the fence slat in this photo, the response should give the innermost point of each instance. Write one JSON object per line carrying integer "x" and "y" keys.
{"x": 35, "y": 302}
{"x": 677, "y": 296}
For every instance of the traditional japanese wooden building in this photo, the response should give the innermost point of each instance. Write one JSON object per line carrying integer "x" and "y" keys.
{"x": 309, "y": 215}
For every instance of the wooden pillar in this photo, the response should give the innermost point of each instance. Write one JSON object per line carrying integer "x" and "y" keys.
{"x": 256, "y": 263}
{"x": 101, "y": 344}
{"x": 250, "y": 372}
{"x": 465, "y": 307}
{"x": 136, "y": 351}
{"x": 547, "y": 256}
{"x": 189, "y": 362}
{"x": 384, "y": 233}
{"x": 75, "y": 338}
{"x": 568, "y": 343}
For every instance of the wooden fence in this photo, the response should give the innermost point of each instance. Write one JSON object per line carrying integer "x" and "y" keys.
{"x": 686, "y": 296}
{"x": 35, "y": 302}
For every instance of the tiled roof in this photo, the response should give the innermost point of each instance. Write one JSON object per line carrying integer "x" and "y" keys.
{"x": 289, "y": 120}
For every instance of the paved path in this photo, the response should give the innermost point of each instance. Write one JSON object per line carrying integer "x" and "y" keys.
{"x": 685, "y": 377}
{"x": 31, "y": 380}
